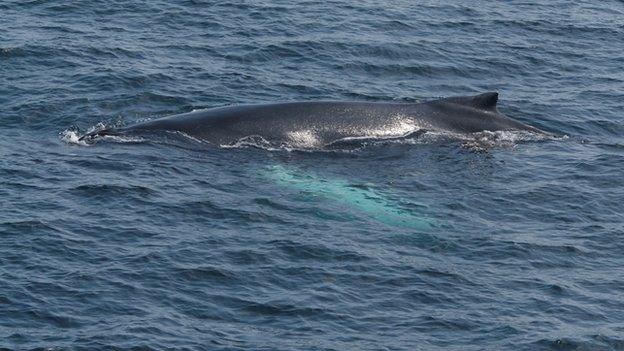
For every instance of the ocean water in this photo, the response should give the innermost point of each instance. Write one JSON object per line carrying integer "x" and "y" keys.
{"x": 499, "y": 242}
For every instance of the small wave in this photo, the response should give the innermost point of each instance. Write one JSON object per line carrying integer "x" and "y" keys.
{"x": 112, "y": 189}
{"x": 11, "y": 51}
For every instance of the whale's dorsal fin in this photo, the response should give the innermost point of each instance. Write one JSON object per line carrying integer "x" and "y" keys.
{"x": 485, "y": 101}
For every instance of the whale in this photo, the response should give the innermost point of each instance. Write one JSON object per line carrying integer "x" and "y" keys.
{"x": 318, "y": 124}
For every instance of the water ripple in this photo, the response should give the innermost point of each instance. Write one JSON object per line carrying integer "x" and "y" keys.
{"x": 166, "y": 242}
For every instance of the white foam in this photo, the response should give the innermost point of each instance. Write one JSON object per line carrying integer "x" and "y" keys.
{"x": 486, "y": 140}
{"x": 123, "y": 138}
{"x": 384, "y": 135}
{"x": 188, "y": 136}
{"x": 72, "y": 137}
{"x": 251, "y": 141}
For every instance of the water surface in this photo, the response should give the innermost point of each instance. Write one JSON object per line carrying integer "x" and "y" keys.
{"x": 172, "y": 243}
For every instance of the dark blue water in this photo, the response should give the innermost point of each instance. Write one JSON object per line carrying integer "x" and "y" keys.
{"x": 425, "y": 244}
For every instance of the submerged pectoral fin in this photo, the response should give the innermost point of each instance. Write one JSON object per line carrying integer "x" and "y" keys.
{"x": 364, "y": 199}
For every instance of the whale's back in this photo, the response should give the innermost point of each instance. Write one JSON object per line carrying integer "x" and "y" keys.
{"x": 312, "y": 123}
{"x": 319, "y": 123}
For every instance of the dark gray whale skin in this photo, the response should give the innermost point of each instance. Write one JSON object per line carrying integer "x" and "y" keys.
{"x": 321, "y": 123}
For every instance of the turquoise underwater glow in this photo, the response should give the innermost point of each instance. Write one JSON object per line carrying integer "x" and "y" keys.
{"x": 364, "y": 199}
